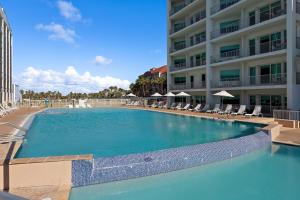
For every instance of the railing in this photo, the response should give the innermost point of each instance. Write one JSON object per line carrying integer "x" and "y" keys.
{"x": 178, "y": 27}
{"x": 178, "y": 7}
{"x": 267, "y": 47}
{"x": 286, "y": 114}
{"x": 192, "y": 43}
{"x": 200, "y": 85}
{"x": 229, "y": 55}
{"x": 221, "y": 6}
{"x": 224, "y": 31}
{"x": 184, "y": 66}
{"x": 298, "y": 78}
{"x": 230, "y": 82}
{"x": 178, "y": 47}
{"x": 270, "y": 14}
{"x": 270, "y": 79}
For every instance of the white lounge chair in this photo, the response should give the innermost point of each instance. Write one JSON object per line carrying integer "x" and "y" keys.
{"x": 205, "y": 108}
{"x": 196, "y": 109}
{"x": 256, "y": 112}
{"x": 165, "y": 106}
{"x": 241, "y": 110}
{"x": 215, "y": 110}
{"x": 173, "y": 105}
{"x": 186, "y": 107}
{"x": 227, "y": 110}
{"x": 178, "y": 107}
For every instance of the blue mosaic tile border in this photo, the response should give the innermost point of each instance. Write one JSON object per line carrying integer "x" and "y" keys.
{"x": 103, "y": 170}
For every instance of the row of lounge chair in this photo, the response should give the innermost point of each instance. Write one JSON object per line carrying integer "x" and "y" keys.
{"x": 205, "y": 109}
{"x": 5, "y": 109}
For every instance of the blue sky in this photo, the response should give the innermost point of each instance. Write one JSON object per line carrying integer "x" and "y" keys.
{"x": 85, "y": 45}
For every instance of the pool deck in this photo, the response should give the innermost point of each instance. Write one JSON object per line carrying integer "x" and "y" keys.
{"x": 8, "y": 150}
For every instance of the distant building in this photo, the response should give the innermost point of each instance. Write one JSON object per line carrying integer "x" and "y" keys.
{"x": 6, "y": 87}
{"x": 157, "y": 72}
{"x": 17, "y": 96}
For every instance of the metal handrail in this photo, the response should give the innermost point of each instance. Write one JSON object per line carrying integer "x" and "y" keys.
{"x": 286, "y": 114}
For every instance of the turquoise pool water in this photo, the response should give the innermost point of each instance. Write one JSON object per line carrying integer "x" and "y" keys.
{"x": 116, "y": 131}
{"x": 271, "y": 174}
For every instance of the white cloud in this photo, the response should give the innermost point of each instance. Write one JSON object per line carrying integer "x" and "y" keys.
{"x": 68, "y": 11}
{"x": 58, "y": 32}
{"x": 101, "y": 60}
{"x": 69, "y": 81}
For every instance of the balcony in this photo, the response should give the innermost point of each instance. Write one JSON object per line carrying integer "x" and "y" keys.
{"x": 260, "y": 80}
{"x": 195, "y": 41}
{"x": 191, "y": 86}
{"x": 298, "y": 42}
{"x": 224, "y": 31}
{"x": 225, "y": 83}
{"x": 196, "y": 18}
{"x": 262, "y": 17}
{"x": 269, "y": 79}
{"x": 176, "y": 8}
{"x": 225, "y": 56}
{"x": 182, "y": 66}
{"x": 266, "y": 47}
{"x": 221, "y": 6}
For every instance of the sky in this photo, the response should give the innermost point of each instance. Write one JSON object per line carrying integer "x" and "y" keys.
{"x": 85, "y": 45}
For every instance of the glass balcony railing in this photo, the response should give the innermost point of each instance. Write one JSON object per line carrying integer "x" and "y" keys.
{"x": 200, "y": 85}
{"x": 222, "y": 4}
{"x": 266, "y": 47}
{"x": 298, "y": 7}
{"x": 197, "y": 63}
{"x": 228, "y": 55}
{"x": 259, "y": 80}
{"x": 224, "y": 31}
{"x": 195, "y": 41}
{"x": 178, "y": 7}
{"x": 298, "y": 42}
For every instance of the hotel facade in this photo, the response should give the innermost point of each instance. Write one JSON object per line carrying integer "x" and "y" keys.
{"x": 250, "y": 48}
{"x": 6, "y": 87}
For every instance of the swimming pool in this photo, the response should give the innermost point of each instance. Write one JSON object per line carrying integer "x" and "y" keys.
{"x": 106, "y": 132}
{"x": 270, "y": 174}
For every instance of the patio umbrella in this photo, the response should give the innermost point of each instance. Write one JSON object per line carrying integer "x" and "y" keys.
{"x": 182, "y": 94}
{"x": 223, "y": 94}
{"x": 156, "y": 95}
{"x": 130, "y": 95}
{"x": 169, "y": 94}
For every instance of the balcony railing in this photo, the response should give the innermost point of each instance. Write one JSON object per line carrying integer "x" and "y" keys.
{"x": 178, "y": 7}
{"x": 270, "y": 79}
{"x": 230, "y": 82}
{"x": 221, "y": 6}
{"x": 272, "y": 13}
{"x": 224, "y": 31}
{"x": 182, "y": 66}
{"x": 192, "y": 43}
{"x": 267, "y": 47}
{"x": 201, "y": 85}
{"x": 178, "y": 47}
{"x": 229, "y": 55}
{"x": 298, "y": 42}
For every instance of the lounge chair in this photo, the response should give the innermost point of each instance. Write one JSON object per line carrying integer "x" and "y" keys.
{"x": 196, "y": 109}
{"x": 227, "y": 110}
{"x": 172, "y": 106}
{"x": 241, "y": 110}
{"x": 165, "y": 106}
{"x": 205, "y": 108}
{"x": 256, "y": 112}
{"x": 178, "y": 107}
{"x": 215, "y": 110}
{"x": 186, "y": 107}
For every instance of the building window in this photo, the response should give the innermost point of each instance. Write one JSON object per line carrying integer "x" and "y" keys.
{"x": 230, "y": 26}
{"x": 252, "y": 47}
{"x": 252, "y": 75}
{"x": 251, "y": 18}
{"x": 180, "y": 62}
{"x": 252, "y": 100}
{"x": 230, "y": 51}
{"x": 230, "y": 75}
{"x": 180, "y": 80}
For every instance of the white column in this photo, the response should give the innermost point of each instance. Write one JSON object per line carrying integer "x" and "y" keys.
{"x": 209, "y": 97}
{"x": 293, "y": 90}
{"x": 2, "y": 62}
{"x": 169, "y": 61}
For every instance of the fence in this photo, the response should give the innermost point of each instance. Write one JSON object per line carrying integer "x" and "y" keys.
{"x": 65, "y": 102}
{"x": 286, "y": 114}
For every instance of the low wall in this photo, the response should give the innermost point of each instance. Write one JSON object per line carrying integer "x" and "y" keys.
{"x": 103, "y": 170}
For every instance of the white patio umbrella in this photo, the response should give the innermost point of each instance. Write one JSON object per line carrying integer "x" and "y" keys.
{"x": 156, "y": 95}
{"x": 222, "y": 94}
{"x": 182, "y": 94}
{"x": 130, "y": 95}
{"x": 169, "y": 94}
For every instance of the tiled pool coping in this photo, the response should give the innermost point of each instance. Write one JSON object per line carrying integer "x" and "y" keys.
{"x": 103, "y": 170}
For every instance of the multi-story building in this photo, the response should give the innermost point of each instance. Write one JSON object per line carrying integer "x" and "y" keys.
{"x": 250, "y": 48}
{"x": 6, "y": 88}
{"x": 157, "y": 72}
